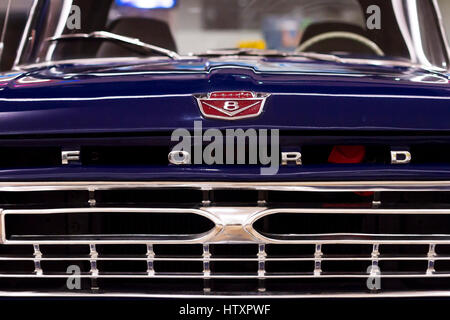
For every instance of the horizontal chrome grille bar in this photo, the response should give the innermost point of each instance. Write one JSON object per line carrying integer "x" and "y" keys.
{"x": 143, "y": 258}
{"x": 212, "y": 295}
{"x": 200, "y": 185}
{"x": 144, "y": 275}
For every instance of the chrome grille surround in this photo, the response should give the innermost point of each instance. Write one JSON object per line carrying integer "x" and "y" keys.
{"x": 234, "y": 226}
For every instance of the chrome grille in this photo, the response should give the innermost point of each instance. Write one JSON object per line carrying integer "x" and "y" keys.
{"x": 260, "y": 276}
{"x": 234, "y": 257}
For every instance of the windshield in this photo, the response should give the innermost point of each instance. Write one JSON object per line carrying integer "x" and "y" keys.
{"x": 65, "y": 29}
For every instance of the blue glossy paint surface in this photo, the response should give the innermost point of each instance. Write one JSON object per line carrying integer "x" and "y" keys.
{"x": 156, "y": 96}
{"x": 305, "y": 96}
{"x": 229, "y": 173}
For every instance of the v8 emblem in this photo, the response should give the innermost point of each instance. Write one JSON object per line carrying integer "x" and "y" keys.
{"x": 232, "y": 105}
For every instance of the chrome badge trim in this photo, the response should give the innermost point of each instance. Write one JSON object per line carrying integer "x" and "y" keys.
{"x": 231, "y": 98}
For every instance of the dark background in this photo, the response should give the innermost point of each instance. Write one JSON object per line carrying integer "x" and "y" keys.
{"x": 282, "y": 309}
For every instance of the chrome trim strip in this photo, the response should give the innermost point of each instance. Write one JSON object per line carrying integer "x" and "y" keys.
{"x": 345, "y": 237}
{"x": 343, "y": 95}
{"x": 186, "y": 239}
{"x": 321, "y": 186}
{"x": 236, "y": 259}
{"x": 235, "y": 225}
{"x": 2, "y": 227}
{"x": 307, "y": 94}
{"x": 144, "y": 275}
{"x": 354, "y": 238}
{"x": 212, "y": 295}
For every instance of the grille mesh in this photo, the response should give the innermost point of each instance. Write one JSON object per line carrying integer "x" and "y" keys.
{"x": 245, "y": 251}
{"x": 261, "y": 268}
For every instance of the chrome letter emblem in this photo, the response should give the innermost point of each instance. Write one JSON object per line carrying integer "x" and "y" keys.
{"x": 400, "y": 157}
{"x": 179, "y": 157}
{"x": 293, "y": 157}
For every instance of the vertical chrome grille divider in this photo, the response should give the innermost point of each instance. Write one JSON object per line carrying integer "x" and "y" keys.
{"x": 37, "y": 260}
{"x": 431, "y": 254}
{"x": 318, "y": 260}
{"x": 262, "y": 267}
{"x": 206, "y": 198}
{"x": 206, "y": 268}
{"x": 150, "y": 260}
{"x": 376, "y": 202}
{"x": 375, "y": 257}
{"x": 92, "y": 202}
{"x": 94, "y": 270}
{"x": 375, "y": 268}
{"x": 262, "y": 198}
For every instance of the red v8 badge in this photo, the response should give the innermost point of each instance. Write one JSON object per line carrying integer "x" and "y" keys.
{"x": 232, "y": 105}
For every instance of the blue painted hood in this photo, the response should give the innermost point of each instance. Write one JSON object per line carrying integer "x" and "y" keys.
{"x": 156, "y": 95}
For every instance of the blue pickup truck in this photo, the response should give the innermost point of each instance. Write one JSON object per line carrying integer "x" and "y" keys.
{"x": 219, "y": 148}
